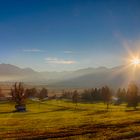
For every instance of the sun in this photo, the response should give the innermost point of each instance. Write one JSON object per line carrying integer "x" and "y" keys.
{"x": 135, "y": 61}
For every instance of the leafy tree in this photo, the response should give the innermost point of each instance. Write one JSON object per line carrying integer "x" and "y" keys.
{"x": 121, "y": 95}
{"x": 43, "y": 94}
{"x": 75, "y": 97}
{"x": 132, "y": 95}
{"x": 19, "y": 96}
{"x": 87, "y": 95}
{"x": 91, "y": 95}
{"x": 97, "y": 95}
{"x": 30, "y": 93}
{"x": 66, "y": 95}
{"x": 106, "y": 95}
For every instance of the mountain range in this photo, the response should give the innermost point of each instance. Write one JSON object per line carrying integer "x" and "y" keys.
{"x": 115, "y": 77}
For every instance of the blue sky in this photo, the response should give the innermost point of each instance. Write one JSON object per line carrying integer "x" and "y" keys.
{"x": 56, "y": 35}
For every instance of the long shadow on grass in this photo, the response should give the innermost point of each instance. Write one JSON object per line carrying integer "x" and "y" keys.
{"x": 70, "y": 109}
{"x": 98, "y": 112}
{"x": 132, "y": 110}
{"x": 59, "y": 109}
{"x": 6, "y": 112}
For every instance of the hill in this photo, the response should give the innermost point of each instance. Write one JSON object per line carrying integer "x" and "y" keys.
{"x": 84, "y": 78}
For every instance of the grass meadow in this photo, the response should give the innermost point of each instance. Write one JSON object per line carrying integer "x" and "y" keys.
{"x": 63, "y": 120}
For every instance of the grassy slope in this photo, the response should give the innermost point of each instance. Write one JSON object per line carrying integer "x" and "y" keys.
{"x": 57, "y": 119}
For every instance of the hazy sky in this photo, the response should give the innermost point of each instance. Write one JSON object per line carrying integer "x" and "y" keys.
{"x": 67, "y": 34}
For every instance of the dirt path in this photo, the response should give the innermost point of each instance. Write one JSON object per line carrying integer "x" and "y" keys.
{"x": 102, "y": 130}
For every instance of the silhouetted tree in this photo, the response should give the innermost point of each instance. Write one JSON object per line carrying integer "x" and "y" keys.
{"x": 30, "y": 93}
{"x": 87, "y": 95}
{"x": 132, "y": 95}
{"x": 106, "y": 95}
{"x": 66, "y": 95}
{"x": 43, "y": 94}
{"x": 121, "y": 95}
{"x": 92, "y": 95}
{"x": 97, "y": 95}
{"x": 19, "y": 96}
{"x": 75, "y": 97}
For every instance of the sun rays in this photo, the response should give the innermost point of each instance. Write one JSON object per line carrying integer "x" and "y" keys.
{"x": 129, "y": 71}
{"x": 135, "y": 61}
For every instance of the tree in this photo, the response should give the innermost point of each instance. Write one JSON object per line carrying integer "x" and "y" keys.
{"x": 66, "y": 95}
{"x": 106, "y": 95}
{"x": 87, "y": 95}
{"x": 30, "y": 93}
{"x": 43, "y": 94}
{"x": 96, "y": 94}
{"x": 121, "y": 95}
{"x": 19, "y": 96}
{"x": 91, "y": 95}
{"x": 132, "y": 95}
{"x": 75, "y": 97}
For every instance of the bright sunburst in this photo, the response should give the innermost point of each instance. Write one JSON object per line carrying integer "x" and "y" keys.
{"x": 135, "y": 61}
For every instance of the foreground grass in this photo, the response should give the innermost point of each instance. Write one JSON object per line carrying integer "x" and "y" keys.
{"x": 63, "y": 120}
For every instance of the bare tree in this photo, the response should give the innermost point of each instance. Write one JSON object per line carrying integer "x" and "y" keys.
{"x": 19, "y": 96}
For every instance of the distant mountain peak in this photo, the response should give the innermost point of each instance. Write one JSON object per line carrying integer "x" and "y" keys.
{"x": 88, "y": 77}
{"x": 9, "y": 69}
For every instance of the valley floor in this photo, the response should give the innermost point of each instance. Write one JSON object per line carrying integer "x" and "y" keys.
{"x": 61, "y": 120}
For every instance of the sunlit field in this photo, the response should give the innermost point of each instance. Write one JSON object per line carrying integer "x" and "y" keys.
{"x": 58, "y": 119}
{"x": 69, "y": 69}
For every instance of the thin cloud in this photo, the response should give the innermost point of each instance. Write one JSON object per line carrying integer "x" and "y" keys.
{"x": 59, "y": 61}
{"x": 32, "y": 50}
{"x": 68, "y": 52}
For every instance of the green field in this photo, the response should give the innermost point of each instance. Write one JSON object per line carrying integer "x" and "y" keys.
{"x": 58, "y": 119}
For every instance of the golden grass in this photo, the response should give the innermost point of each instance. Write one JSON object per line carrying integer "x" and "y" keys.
{"x": 63, "y": 120}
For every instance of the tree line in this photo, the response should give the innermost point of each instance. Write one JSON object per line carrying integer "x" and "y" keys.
{"x": 105, "y": 94}
{"x": 130, "y": 96}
